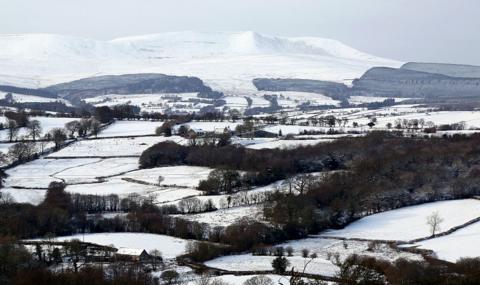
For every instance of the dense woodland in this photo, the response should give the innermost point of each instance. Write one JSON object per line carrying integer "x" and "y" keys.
{"x": 379, "y": 172}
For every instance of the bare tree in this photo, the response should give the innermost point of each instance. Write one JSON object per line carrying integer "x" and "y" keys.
{"x": 204, "y": 279}
{"x": 12, "y": 130}
{"x": 302, "y": 182}
{"x": 170, "y": 276}
{"x": 72, "y": 128}
{"x": 190, "y": 205}
{"x": 6, "y": 198}
{"x": 95, "y": 126}
{"x": 58, "y": 136}
{"x": 258, "y": 280}
{"x": 76, "y": 252}
{"x": 43, "y": 144}
{"x": 22, "y": 151}
{"x": 34, "y": 129}
{"x": 160, "y": 180}
{"x": 156, "y": 257}
{"x": 305, "y": 253}
{"x": 434, "y": 221}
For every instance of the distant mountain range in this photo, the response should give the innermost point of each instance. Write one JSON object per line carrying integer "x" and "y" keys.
{"x": 224, "y": 61}
{"x": 236, "y": 63}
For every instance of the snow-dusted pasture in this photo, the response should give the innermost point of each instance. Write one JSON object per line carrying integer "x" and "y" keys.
{"x": 170, "y": 247}
{"x": 130, "y": 128}
{"x": 293, "y": 129}
{"x": 355, "y": 100}
{"x": 301, "y": 97}
{"x": 124, "y": 188}
{"x": 210, "y": 126}
{"x": 185, "y": 176}
{"x": 5, "y": 146}
{"x": 96, "y": 170}
{"x": 248, "y": 262}
{"x": 40, "y": 172}
{"x": 226, "y": 217}
{"x": 259, "y": 102}
{"x": 285, "y": 144}
{"x": 471, "y": 118}
{"x": 325, "y": 248}
{"x": 236, "y": 102}
{"x": 240, "y": 279}
{"x": 21, "y": 98}
{"x": 146, "y": 102}
{"x": 112, "y": 147}
{"x": 30, "y": 196}
{"x": 462, "y": 243}
{"x": 47, "y": 124}
{"x": 410, "y": 222}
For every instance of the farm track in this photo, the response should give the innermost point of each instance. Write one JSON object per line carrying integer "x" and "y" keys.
{"x": 68, "y": 168}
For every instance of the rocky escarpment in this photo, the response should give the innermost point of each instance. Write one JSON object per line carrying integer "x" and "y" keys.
{"x": 128, "y": 84}
{"x": 391, "y": 82}
{"x": 453, "y": 70}
{"x": 27, "y": 91}
{"x": 332, "y": 89}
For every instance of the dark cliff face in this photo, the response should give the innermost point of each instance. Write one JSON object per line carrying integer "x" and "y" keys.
{"x": 128, "y": 84}
{"x": 27, "y": 91}
{"x": 387, "y": 82}
{"x": 332, "y": 89}
{"x": 391, "y": 82}
{"x": 452, "y": 70}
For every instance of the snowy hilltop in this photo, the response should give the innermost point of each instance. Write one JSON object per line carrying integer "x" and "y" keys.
{"x": 225, "y": 61}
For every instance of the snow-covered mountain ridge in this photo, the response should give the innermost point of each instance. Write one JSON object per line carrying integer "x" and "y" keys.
{"x": 226, "y": 61}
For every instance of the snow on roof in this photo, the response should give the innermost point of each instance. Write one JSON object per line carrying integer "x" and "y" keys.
{"x": 197, "y": 130}
{"x": 130, "y": 251}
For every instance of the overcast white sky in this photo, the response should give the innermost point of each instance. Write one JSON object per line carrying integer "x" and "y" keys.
{"x": 407, "y": 30}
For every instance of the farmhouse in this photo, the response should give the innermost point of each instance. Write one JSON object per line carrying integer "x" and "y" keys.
{"x": 196, "y": 132}
{"x": 133, "y": 254}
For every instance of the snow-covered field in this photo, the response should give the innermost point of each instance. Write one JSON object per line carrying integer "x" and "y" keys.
{"x": 29, "y": 196}
{"x": 367, "y": 99}
{"x": 248, "y": 262}
{"x": 299, "y": 140}
{"x": 462, "y": 243}
{"x": 130, "y": 128}
{"x": 21, "y": 98}
{"x": 226, "y": 217}
{"x": 240, "y": 279}
{"x": 94, "y": 171}
{"x": 410, "y": 222}
{"x": 112, "y": 147}
{"x": 40, "y": 172}
{"x": 210, "y": 126}
{"x": 47, "y": 124}
{"x": 287, "y": 143}
{"x": 186, "y": 176}
{"x": 471, "y": 118}
{"x": 170, "y": 247}
{"x": 236, "y": 102}
{"x": 293, "y": 129}
{"x": 123, "y": 188}
{"x": 301, "y": 97}
{"x": 325, "y": 249}
{"x": 147, "y": 102}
